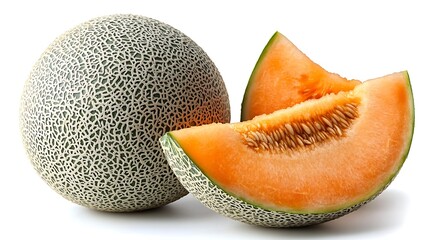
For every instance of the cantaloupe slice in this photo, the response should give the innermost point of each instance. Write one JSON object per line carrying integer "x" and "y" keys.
{"x": 284, "y": 76}
{"x": 310, "y": 163}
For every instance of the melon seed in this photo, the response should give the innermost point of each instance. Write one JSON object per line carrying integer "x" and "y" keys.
{"x": 302, "y": 133}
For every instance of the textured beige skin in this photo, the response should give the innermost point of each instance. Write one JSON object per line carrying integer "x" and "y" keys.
{"x": 101, "y": 96}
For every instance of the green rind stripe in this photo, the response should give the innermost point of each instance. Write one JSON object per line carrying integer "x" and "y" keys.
{"x": 255, "y": 70}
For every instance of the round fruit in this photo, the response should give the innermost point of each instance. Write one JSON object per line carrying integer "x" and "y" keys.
{"x": 101, "y": 96}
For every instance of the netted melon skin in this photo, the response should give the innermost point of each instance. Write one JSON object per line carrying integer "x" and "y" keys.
{"x": 101, "y": 96}
{"x": 215, "y": 198}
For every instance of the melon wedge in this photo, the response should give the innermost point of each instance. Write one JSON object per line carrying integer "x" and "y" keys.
{"x": 307, "y": 164}
{"x": 284, "y": 76}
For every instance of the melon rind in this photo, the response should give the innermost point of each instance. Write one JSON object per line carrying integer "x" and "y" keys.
{"x": 220, "y": 201}
{"x": 266, "y": 49}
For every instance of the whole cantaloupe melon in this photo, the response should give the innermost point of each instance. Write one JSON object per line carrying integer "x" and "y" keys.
{"x": 101, "y": 96}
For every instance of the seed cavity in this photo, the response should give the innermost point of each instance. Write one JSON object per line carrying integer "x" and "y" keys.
{"x": 302, "y": 133}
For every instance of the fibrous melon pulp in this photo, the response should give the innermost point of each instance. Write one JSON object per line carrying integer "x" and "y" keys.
{"x": 284, "y": 76}
{"x": 99, "y": 98}
{"x": 307, "y": 164}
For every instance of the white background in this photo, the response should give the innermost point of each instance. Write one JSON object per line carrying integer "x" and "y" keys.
{"x": 357, "y": 39}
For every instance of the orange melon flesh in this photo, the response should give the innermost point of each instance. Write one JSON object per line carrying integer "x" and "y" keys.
{"x": 322, "y": 177}
{"x": 285, "y": 76}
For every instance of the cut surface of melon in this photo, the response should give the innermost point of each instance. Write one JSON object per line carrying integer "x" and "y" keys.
{"x": 347, "y": 147}
{"x": 284, "y": 76}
